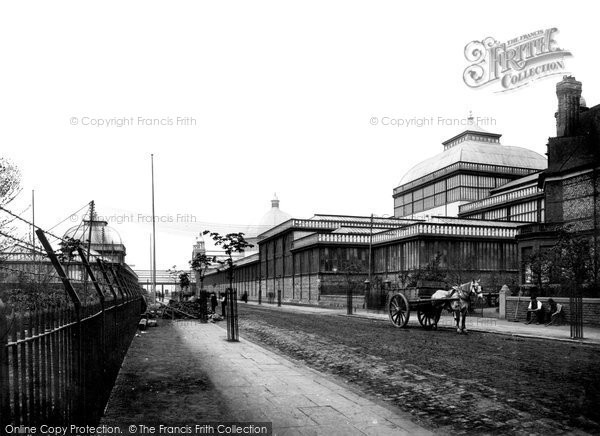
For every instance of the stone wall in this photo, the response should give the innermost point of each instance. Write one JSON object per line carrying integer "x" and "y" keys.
{"x": 591, "y": 308}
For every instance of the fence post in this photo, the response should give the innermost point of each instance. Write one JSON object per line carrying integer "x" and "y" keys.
{"x": 92, "y": 277}
{"x": 576, "y": 309}
{"x": 100, "y": 369}
{"x": 118, "y": 283}
{"x": 59, "y": 270}
{"x": 279, "y": 298}
{"x": 349, "y": 300}
{"x": 80, "y": 399}
{"x": 367, "y": 304}
{"x": 109, "y": 284}
{"x": 232, "y": 316}
{"x": 259, "y": 289}
{"x": 4, "y": 386}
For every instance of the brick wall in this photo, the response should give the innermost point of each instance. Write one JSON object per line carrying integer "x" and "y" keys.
{"x": 578, "y": 201}
{"x": 337, "y": 284}
{"x": 305, "y": 289}
{"x": 591, "y": 308}
{"x": 572, "y": 201}
{"x": 340, "y": 301}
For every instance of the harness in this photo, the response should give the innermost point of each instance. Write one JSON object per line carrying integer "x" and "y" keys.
{"x": 457, "y": 294}
{"x": 463, "y": 295}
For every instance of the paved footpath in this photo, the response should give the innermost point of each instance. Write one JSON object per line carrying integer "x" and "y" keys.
{"x": 262, "y": 386}
{"x": 255, "y": 385}
{"x": 187, "y": 372}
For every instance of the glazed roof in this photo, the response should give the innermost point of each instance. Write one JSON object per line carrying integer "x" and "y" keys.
{"x": 477, "y": 152}
{"x": 273, "y": 217}
{"x": 525, "y": 180}
{"x": 102, "y": 234}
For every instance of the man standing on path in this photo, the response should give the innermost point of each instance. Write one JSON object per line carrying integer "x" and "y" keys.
{"x": 223, "y": 303}
{"x": 213, "y": 302}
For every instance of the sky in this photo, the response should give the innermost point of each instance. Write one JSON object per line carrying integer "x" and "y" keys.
{"x": 255, "y": 98}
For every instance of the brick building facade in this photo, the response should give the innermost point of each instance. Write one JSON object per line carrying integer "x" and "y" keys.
{"x": 570, "y": 184}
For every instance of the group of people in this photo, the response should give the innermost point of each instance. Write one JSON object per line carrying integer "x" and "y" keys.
{"x": 223, "y": 299}
{"x": 536, "y": 312}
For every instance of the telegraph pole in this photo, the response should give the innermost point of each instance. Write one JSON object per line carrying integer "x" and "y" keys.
{"x": 153, "y": 234}
{"x": 91, "y": 223}
{"x": 370, "y": 246}
{"x": 33, "y": 223}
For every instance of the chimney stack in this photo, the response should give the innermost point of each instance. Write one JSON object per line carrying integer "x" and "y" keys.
{"x": 568, "y": 91}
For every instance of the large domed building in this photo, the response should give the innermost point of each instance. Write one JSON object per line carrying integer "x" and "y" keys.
{"x": 273, "y": 217}
{"x": 103, "y": 239}
{"x": 471, "y": 164}
{"x": 104, "y": 244}
{"x": 476, "y": 210}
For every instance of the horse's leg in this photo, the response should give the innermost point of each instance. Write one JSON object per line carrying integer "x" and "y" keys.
{"x": 457, "y": 319}
{"x": 464, "y": 318}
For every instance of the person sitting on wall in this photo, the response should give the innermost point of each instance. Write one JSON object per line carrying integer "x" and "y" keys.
{"x": 555, "y": 312}
{"x": 535, "y": 310}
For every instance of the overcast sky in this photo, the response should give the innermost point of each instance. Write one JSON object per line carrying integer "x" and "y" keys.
{"x": 281, "y": 94}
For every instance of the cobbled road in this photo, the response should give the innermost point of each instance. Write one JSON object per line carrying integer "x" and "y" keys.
{"x": 477, "y": 383}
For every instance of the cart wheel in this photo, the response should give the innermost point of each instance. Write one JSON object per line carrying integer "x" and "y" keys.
{"x": 427, "y": 317}
{"x": 399, "y": 310}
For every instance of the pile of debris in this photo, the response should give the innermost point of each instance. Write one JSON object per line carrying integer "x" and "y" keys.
{"x": 146, "y": 323}
{"x": 187, "y": 309}
{"x": 149, "y": 317}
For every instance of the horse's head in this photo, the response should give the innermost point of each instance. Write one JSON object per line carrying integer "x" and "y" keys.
{"x": 476, "y": 288}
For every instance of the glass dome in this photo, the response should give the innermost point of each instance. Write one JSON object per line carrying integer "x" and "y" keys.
{"x": 102, "y": 234}
{"x": 273, "y": 217}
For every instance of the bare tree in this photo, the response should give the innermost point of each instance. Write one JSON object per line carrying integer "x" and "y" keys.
{"x": 10, "y": 188}
{"x": 352, "y": 271}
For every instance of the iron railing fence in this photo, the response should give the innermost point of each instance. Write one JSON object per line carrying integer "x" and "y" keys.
{"x": 59, "y": 357}
{"x": 57, "y": 367}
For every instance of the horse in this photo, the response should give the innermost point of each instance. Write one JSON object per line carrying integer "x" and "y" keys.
{"x": 459, "y": 304}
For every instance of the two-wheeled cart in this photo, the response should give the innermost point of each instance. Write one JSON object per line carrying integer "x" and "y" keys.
{"x": 404, "y": 302}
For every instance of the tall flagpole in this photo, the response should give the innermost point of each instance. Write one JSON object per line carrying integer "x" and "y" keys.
{"x": 33, "y": 223}
{"x": 148, "y": 282}
{"x": 153, "y": 234}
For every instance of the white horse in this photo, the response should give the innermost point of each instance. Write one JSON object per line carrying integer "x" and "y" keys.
{"x": 457, "y": 300}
